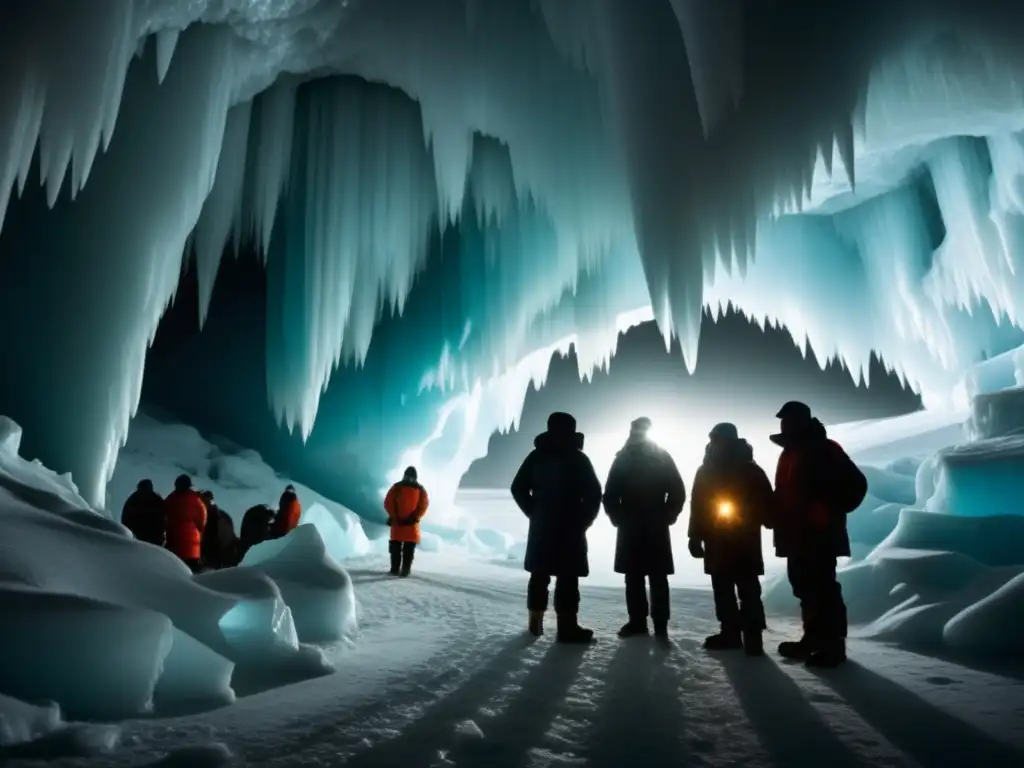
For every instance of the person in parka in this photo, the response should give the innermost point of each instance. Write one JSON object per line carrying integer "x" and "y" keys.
{"x": 558, "y": 491}
{"x": 186, "y": 520}
{"x": 816, "y": 486}
{"x": 643, "y": 497}
{"x": 732, "y": 500}
{"x": 406, "y": 503}
{"x": 289, "y": 511}
{"x": 144, "y": 514}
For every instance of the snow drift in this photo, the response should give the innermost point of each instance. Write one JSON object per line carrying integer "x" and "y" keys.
{"x": 109, "y": 627}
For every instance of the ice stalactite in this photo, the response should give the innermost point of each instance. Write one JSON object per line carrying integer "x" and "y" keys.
{"x": 352, "y": 236}
{"x": 104, "y": 267}
{"x": 221, "y": 219}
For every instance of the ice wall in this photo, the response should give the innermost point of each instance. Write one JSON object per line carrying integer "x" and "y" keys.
{"x": 598, "y": 160}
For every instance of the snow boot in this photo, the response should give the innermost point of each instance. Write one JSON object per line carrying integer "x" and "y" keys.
{"x": 798, "y": 650}
{"x": 753, "y": 643}
{"x": 830, "y": 656}
{"x": 536, "y": 623}
{"x": 726, "y": 640}
{"x": 661, "y": 631}
{"x": 634, "y": 628}
{"x": 570, "y": 631}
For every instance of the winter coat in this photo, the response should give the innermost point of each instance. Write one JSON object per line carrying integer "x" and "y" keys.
{"x": 729, "y": 475}
{"x": 220, "y": 545}
{"x": 256, "y": 523}
{"x": 145, "y": 516}
{"x": 816, "y": 486}
{"x": 557, "y": 489}
{"x": 406, "y": 503}
{"x": 186, "y": 520}
{"x": 643, "y": 497}
{"x": 289, "y": 510}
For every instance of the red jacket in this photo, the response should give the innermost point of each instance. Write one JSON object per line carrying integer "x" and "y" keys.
{"x": 406, "y": 501}
{"x": 186, "y": 520}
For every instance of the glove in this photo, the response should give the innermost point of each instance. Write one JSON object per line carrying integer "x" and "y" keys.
{"x": 410, "y": 520}
{"x": 697, "y": 549}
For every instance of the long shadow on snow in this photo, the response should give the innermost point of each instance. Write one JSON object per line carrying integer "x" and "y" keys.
{"x": 508, "y": 739}
{"x": 641, "y": 719}
{"x": 929, "y": 735}
{"x": 787, "y": 725}
{"x": 434, "y": 728}
{"x": 484, "y": 594}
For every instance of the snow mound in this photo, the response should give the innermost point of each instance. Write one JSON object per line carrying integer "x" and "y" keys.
{"x": 239, "y": 479}
{"x": 317, "y": 589}
{"x": 991, "y": 625}
{"x": 992, "y": 541}
{"x": 109, "y": 627}
{"x": 213, "y": 755}
{"x": 40, "y": 733}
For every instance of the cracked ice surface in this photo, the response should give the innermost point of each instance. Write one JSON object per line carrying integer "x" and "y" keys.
{"x": 864, "y": 189}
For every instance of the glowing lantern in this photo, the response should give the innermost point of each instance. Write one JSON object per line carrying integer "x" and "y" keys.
{"x": 726, "y": 510}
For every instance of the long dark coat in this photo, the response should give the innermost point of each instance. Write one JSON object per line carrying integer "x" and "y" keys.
{"x": 557, "y": 489}
{"x": 643, "y": 497}
{"x": 255, "y": 529}
{"x": 220, "y": 545}
{"x": 732, "y": 547}
{"x": 816, "y": 486}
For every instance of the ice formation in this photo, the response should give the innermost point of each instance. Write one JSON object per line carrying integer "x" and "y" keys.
{"x": 548, "y": 171}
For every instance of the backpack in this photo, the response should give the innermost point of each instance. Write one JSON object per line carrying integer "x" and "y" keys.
{"x": 848, "y": 486}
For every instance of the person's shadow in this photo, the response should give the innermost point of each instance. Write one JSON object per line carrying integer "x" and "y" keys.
{"x": 641, "y": 719}
{"x": 929, "y": 735}
{"x": 432, "y": 730}
{"x": 508, "y": 739}
{"x": 786, "y": 723}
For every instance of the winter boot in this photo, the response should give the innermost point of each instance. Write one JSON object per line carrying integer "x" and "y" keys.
{"x": 570, "y": 631}
{"x": 726, "y": 640}
{"x": 634, "y": 628}
{"x": 798, "y": 650}
{"x": 396, "y": 564}
{"x": 753, "y": 643}
{"x": 536, "y": 623}
{"x": 661, "y": 631}
{"x": 829, "y": 656}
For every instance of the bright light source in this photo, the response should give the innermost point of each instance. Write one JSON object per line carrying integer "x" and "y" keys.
{"x": 725, "y": 510}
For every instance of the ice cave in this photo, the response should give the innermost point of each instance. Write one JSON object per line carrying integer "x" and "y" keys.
{"x": 443, "y": 196}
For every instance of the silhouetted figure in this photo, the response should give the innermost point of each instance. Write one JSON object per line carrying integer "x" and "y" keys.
{"x": 186, "y": 520}
{"x": 255, "y": 529}
{"x": 289, "y": 510}
{"x": 816, "y": 486}
{"x": 732, "y": 500}
{"x": 220, "y": 545}
{"x": 643, "y": 498}
{"x": 144, "y": 515}
{"x": 406, "y": 503}
{"x": 556, "y": 488}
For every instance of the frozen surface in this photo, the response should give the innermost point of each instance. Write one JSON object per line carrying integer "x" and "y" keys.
{"x": 442, "y": 673}
{"x": 985, "y": 477}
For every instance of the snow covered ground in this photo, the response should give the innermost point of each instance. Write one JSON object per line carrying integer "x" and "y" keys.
{"x": 442, "y": 674}
{"x": 276, "y": 671}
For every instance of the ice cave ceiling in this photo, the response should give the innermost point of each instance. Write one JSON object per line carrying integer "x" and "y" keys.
{"x": 507, "y": 174}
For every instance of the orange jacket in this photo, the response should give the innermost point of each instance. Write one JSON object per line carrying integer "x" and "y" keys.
{"x": 288, "y": 514}
{"x": 406, "y": 501}
{"x": 186, "y": 520}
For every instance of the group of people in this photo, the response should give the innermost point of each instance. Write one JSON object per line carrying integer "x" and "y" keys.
{"x": 190, "y": 524}
{"x": 816, "y": 486}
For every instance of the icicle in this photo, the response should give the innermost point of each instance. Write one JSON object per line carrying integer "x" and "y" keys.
{"x": 166, "y": 41}
{"x": 219, "y": 216}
